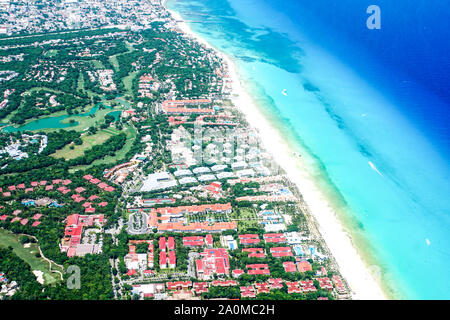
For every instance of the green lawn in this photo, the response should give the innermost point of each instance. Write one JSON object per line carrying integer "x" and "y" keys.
{"x": 7, "y": 119}
{"x": 88, "y": 142}
{"x": 114, "y": 62}
{"x": 28, "y": 255}
{"x": 97, "y": 64}
{"x": 246, "y": 218}
{"x": 120, "y": 154}
{"x": 128, "y": 82}
{"x": 51, "y": 53}
{"x": 131, "y": 135}
{"x": 80, "y": 82}
{"x": 113, "y": 59}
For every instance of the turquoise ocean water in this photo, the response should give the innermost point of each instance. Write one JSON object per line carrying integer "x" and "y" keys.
{"x": 375, "y": 155}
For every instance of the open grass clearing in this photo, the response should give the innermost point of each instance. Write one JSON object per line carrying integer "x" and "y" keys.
{"x": 97, "y": 64}
{"x": 88, "y": 142}
{"x": 28, "y": 254}
{"x": 119, "y": 155}
{"x": 245, "y": 217}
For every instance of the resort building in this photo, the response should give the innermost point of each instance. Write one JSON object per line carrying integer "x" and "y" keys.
{"x": 213, "y": 261}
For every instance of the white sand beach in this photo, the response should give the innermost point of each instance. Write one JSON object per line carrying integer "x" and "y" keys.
{"x": 357, "y": 274}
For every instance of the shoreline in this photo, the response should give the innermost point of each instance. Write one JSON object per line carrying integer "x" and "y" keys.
{"x": 355, "y": 271}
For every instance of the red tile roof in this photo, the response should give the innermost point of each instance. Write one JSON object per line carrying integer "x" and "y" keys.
{"x": 274, "y": 238}
{"x": 237, "y": 272}
{"x": 79, "y": 199}
{"x": 162, "y": 243}
{"x": 171, "y": 243}
{"x": 304, "y": 266}
{"x": 172, "y": 258}
{"x": 262, "y": 287}
{"x": 102, "y": 185}
{"x": 276, "y": 283}
{"x": 289, "y": 266}
{"x": 213, "y": 261}
{"x": 80, "y": 189}
{"x": 178, "y": 285}
{"x": 294, "y": 287}
{"x": 255, "y": 252}
{"x": 179, "y": 106}
{"x": 224, "y": 283}
{"x": 247, "y": 292}
{"x": 209, "y": 240}
{"x": 339, "y": 284}
{"x": 162, "y": 258}
{"x": 308, "y": 286}
{"x": 200, "y": 287}
{"x": 281, "y": 252}
{"x": 246, "y": 239}
{"x": 193, "y": 241}
{"x": 258, "y": 268}
{"x": 194, "y": 209}
{"x": 325, "y": 283}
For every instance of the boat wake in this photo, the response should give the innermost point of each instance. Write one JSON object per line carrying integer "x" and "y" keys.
{"x": 375, "y": 168}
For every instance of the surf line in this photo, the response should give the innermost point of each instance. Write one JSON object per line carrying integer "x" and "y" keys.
{"x": 374, "y": 168}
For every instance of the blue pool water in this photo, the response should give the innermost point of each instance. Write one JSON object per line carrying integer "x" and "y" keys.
{"x": 371, "y": 106}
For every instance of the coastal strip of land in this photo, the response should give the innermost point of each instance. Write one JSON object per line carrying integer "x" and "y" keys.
{"x": 352, "y": 266}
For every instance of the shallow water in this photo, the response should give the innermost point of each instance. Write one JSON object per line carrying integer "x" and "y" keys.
{"x": 379, "y": 134}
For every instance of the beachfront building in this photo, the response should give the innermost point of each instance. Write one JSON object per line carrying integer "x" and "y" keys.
{"x": 195, "y": 106}
{"x": 158, "y": 181}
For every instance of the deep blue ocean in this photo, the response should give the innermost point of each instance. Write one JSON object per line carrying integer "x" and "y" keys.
{"x": 371, "y": 106}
